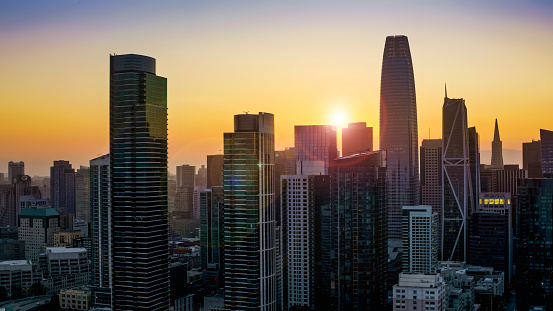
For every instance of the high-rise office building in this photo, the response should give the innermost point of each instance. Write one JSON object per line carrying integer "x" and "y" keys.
{"x": 15, "y": 169}
{"x": 534, "y": 261}
{"x": 37, "y": 228}
{"x": 431, "y": 174}
{"x": 62, "y": 187}
{"x": 474, "y": 164}
{"x": 361, "y": 248}
{"x": 491, "y": 233}
{"x": 100, "y": 227}
{"x": 200, "y": 179}
{"x": 398, "y": 130}
{"x": 250, "y": 226}
{"x": 456, "y": 180}
{"x": 184, "y": 196}
{"x": 138, "y": 181}
{"x": 315, "y": 147}
{"x": 546, "y": 138}
{"x": 420, "y": 239}
{"x": 497, "y": 149}
{"x": 185, "y": 176}
{"x": 82, "y": 193}
{"x": 531, "y": 158}
{"x": 214, "y": 171}
{"x": 356, "y": 138}
{"x": 10, "y": 197}
{"x": 211, "y": 228}
{"x": 306, "y": 234}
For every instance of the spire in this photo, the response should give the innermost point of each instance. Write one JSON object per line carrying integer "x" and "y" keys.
{"x": 496, "y": 132}
{"x": 445, "y": 84}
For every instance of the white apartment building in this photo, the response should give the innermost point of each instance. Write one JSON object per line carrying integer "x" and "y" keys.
{"x": 425, "y": 292}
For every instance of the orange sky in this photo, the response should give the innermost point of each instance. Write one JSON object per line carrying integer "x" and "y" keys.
{"x": 304, "y": 62}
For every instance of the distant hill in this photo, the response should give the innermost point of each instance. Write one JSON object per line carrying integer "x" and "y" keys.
{"x": 510, "y": 156}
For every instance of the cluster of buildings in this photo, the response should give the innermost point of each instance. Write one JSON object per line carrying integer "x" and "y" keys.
{"x": 305, "y": 228}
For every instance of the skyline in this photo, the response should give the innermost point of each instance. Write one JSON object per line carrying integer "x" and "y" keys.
{"x": 303, "y": 62}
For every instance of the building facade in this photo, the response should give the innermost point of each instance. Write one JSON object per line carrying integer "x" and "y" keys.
{"x": 361, "y": 248}
{"x": 307, "y": 246}
{"x": 356, "y": 138}
{"x": 457, "y": 196}
{"x": 431, "y": 174}
{"x": 15, "y": 169}
{"x": 315, "y": 147}
{"x": 62, "y": 187}
{"x": 534, "y": 262}
{"x": 82, "y": 194}
{"x": 420, "y": 239}
{"x": 398, "y": 130}
{"x": 418, "y": 291}
{"x": 138, "y": 181}
{"x": 100, "y": 231}
{"x": 37, "y": 227}
{"x": 250, "y": 225}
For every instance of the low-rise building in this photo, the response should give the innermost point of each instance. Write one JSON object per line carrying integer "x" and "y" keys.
{"x": 65, "y": 238}
{"x": 417, "y": 291}
{"x": 18, "y": 277}
{"x": 65, "y": 268}
{"x": 75, "y": 299}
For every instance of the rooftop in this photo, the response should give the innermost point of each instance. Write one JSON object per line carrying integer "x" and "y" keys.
{"x": 38, "y": 212}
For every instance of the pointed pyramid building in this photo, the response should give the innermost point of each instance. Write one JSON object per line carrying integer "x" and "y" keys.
{"x": 497, "y": 150}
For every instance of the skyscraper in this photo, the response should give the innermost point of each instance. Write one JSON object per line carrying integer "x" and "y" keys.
{"x": 398, "y": 130}
{"x": 497, "y": 149}
{"x": 315, "y": 147}
{"x": 138, "y": 179}
{"x": 356, "y": 138}
{"x": 214, "y": 170}
{"x": 307, "y": 251}
{"x": 100, "y": 227}
{"x": 456, "y": 180}
{"x": 360, "y": 245}
{"x": 62, "y": 187}
{"x": 531, "y": 158}
{"x": 82, "y": 193}
{"x": 534, "y": 261}
{"x": 250, "y": 226}
{"x": 431, "y": 174}
{"x": 546, "y": 138}
{"x": 184, "y": 196}
{"x": 420, "y": 239}
{"x": 15, "y": 169}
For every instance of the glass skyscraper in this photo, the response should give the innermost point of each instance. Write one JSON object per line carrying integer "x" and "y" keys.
{"x": 138, "y": 172}
{"x": 398, "y": 130}
{"x": 457, "y": 186}
{"x": 250, "y": 222}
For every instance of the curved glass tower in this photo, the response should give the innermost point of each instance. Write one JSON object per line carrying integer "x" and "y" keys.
{"x": 138, "y": 172}
{"x": 398, "y": 130}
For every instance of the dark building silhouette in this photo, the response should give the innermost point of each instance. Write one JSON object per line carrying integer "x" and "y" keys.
{"x": 546, "y": 138}
{"x": 62, "y": 187}
{"x": 497, "y": 149}
{"x": 534, "y": 260}
{"x": 360, "y": 245}
{"x": 82, "y": 194}
{"x": 10, "y": 195}
{"x": 100, "y": 227}
{"x": 531, "y": 158}
{"x": 211, "y": 233}
{"x": 356, "y": 138}
{"x": 15, "y": 169}
{"x": 431, "y": 174}
{"x": 250, "y": 223}
{"x": 398, "y": 130}
{"x": 315, "y": 147}
{"x": 474, "y": 163}
{"x": 457, "y": 186}
{"x": 214, "y": 170}
{"x": 491, "y": 233}
{"x": 138, "y": 179}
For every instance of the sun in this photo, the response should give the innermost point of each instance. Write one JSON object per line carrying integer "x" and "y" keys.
{"x": 338, "y": 118}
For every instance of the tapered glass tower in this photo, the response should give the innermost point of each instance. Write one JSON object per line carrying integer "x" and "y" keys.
{"x": 398, "y": 130}
{"x": 138, "y": 172}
